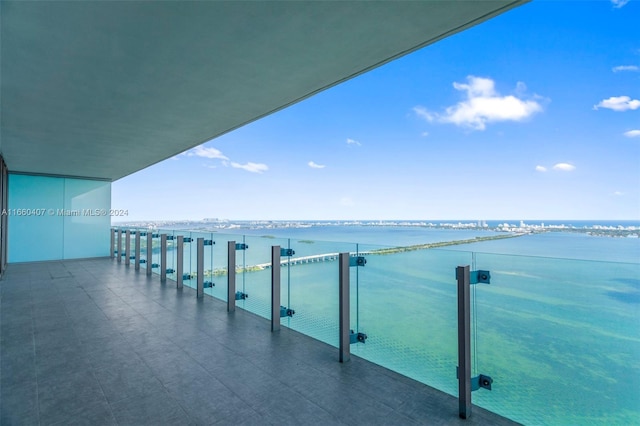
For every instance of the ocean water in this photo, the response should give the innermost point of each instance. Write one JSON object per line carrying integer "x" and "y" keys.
{"x": 558, "y": 328}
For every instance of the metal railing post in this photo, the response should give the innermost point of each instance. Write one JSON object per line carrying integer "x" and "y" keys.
{"x": 464, "y": 342}
{"x": 180, "y": 261}
{"x": 200, "y": 268}
{"x": 231, "y": 276}
{"x": 113, "y": 242}
{"x": 163, "y": 257}
{"x": 149, "y": 252}
{"x": 275, "y": 288}
{"x": 137, "y": 253}
{"x": 120, "y": 231}
{"x": 345, "y": 350}
{"x": 127, "y": 247}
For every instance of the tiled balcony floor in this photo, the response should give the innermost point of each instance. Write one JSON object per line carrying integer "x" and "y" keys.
{"x": 94, "y": 342}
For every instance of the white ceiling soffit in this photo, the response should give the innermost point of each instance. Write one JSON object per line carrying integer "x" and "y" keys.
{"x": 102, "y": 89}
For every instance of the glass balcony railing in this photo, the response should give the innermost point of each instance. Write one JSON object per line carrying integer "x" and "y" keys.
{"x": 143, "y": 248}
{"x": 190, "y": 272}
{"x": 405, "y": 302}
{"x": 155, "y": 252}
{"x": 560, "y": 338}
{"x": 312, "y": 274}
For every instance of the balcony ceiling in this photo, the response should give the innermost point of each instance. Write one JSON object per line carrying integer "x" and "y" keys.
{"x": 103, "y": 89}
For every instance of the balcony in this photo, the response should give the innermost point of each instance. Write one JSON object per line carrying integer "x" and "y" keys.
{"x": 95, "y": 342}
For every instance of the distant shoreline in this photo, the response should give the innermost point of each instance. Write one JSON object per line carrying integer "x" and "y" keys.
{"x": 618, "y": 229}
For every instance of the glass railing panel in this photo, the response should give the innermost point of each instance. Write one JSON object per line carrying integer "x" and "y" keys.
{"x": 253, "y": 277}
{"x": 216, "y": 256}
{"x": 130, "y": 249}
{"x": 143, "y": 247}
{"x": 215, "y": 260}
{"x": 310, "y": 288}
{"x": 131, "y": 252}
{"x": 214, "y": 283}
{"x": 560, "y": 339}
{"x": 286, "y": 262}
{"x": 314, "y": 289}
{"x": 263, "y": 244}
{"x": 188, "y": 275}
{"x": 124, "y": 230}
{"x": 155, "y": 251}
{"x": 405, "y": 301}
{"x": 123, "y": 245}
{"x": 191, "y": 259}
{"x": 172, "y": 254}
{"x": 214, "y": 264}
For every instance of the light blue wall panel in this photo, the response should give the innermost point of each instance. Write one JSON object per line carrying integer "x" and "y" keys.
{"x": 35, "y": 230}
{"x": 53, "y": 218}
{"x": 86, "y": 227}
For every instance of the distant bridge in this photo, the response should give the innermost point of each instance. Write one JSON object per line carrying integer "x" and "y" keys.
{"x": 328, "y": 257}
{"x": 316, "y": 258}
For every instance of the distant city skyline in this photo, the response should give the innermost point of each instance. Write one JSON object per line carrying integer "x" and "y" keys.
{"x": 533, "y": 115}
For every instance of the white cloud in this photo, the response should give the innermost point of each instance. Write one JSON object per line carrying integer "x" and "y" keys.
{"x": 618, "y": 193}
{"x": 617, "y": 4}
{"x": 316, "y": 166}
{"x": 213, "y": 153}
{"x": 632, "y": 133}
{"x": 483, "y": 105}
{"x": 618, "y": 103}
{"x": 424, "y": 134}
{"x": 565, "y": 167}
{"x": 353, "y": 142}
{"x": 203, "y": 151}
{"x": 423, "y": 113}
{"x": 251, "y": 167}
{"x": 625, "y": 68}
{"x": 541, "y": 169}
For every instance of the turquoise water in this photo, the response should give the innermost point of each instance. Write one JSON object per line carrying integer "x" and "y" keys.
{"x": 558, "y": 328}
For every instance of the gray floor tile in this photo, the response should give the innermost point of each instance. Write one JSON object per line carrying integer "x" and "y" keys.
{"x": 66, "y": 397}
{"x": 17, "y": 346}
{"x": 94, "y": 327}
{"x": 17, "y": 335}
{"x": 114, "y": 358}
{"x": 60, "y": 364}
{"x": 153, "y": 408}
{"x": 17, "y": 366}
{"x": 251, "y": 385}
{"x": 102, "y": 343}
{"x": 16, "y": 318}
{"x": 97, "y": 414}
{"x": 18, "y": 403}
{"x": 208, "y": 401}
{"x": 10, "y": 418}
{"x": 129, "y": 381}
{"x": 290, "y": 408}
{"x": 176, "y": 366}
{"x": 340, "y": 401}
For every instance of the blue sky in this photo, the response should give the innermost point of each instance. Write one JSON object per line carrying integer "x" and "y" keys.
{"x": 534, "y": 114}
